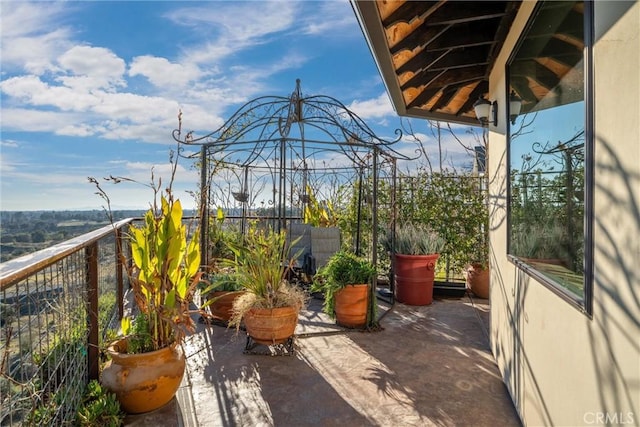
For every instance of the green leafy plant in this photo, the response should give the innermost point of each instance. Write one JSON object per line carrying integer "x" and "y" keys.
{"x": 454, "y": 206}
{"x": 342, "y": 269}
{"x": 478, "y": 242}
{"x": 225, "y": 282}
{"x": 413, "y": 239}
{"x": 139, "y": 334}
{"x": 164, "y": 271}
{"x": 219, "y": 236}
{"x": 319, "y": 214}
{"x": 99, "y": 407}
{"x": 222, "y": 281}
{"x": 260, "y": 267}
{"x": 44, "y": 413}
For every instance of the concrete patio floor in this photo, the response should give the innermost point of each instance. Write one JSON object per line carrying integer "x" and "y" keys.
{"x": 429, "y": 366}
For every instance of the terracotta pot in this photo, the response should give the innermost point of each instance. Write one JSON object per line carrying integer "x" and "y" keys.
{"x": 478, "y": 279}
{"x": 351, "y": 306}
{"x": 414, "y": 276}
{"x": 146, "y": 381}
{"x": 222, "y": 307}
{"x": 270, "y": 326}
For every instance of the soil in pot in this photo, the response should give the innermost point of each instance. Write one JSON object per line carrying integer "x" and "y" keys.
{"x": 146, "y": 381}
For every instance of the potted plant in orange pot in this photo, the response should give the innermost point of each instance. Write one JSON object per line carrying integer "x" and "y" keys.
{"x": 477, "y": 275}
{"x": 415, "y": 250}
{"x": 219, "y": 295}
{"x": 147, "y": 363}
{"x": 345, "y": 282}
{"x": 269, "y": 305}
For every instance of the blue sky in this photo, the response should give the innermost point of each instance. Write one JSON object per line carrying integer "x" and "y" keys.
{"x": 94, "y": 88}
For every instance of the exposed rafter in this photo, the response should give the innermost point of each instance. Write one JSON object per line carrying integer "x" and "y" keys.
{"x": 435, "y": 56}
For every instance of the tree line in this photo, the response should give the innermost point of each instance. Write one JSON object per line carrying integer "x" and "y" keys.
{"x": 24, "y": 232}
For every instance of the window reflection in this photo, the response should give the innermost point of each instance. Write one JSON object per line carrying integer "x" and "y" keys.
{"x": 547, "y": 146}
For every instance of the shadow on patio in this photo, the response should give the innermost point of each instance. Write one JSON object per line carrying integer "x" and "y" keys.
{"x": 431, "y": 365}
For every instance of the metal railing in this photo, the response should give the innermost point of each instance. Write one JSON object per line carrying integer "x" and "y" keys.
{"x": 55, "y": 309}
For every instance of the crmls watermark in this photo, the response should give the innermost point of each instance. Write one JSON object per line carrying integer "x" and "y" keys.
{"x": 609, "y": 418}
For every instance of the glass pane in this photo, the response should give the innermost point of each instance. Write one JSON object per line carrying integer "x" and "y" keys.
{"x": 547, "y": 146}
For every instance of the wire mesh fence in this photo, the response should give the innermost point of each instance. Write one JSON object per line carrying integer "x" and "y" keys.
{"x": 56, "y": 307}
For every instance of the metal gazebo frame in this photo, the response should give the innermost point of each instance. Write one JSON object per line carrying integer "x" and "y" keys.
{"x": 289, "y": 139}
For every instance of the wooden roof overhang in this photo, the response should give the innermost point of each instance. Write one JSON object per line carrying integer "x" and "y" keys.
{"x": 435, "y": 56}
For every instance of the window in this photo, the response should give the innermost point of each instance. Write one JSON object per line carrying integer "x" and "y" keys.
{"x": 549, "y": 150}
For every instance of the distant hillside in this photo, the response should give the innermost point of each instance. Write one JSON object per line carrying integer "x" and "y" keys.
{"x": 23, "y": 232}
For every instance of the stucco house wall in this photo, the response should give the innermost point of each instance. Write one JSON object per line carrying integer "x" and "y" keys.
{"x": 562, "y": 366}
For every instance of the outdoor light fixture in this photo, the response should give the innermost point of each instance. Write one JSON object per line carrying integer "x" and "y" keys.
{"x": 515, "y": 104}
{"x": 484, "y": 108}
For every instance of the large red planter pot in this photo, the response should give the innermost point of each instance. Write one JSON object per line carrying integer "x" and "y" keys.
{"x": 351, "y": 306}
{"x": 414, "y": 276}
{"x": 270, "y": 326}
{"x": 146, "y": 381}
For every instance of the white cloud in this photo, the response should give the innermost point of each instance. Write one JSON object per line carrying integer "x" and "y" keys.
{"x": 29, "y": 120}
{"x": 334, "y": 18}
{"x": 195, "y": 118}
{"x": 30, "y": 90}
{"x": 161, "y": 72}
{"x": 91, "y": 68}
{"x": 55, "y": 82}
{"x": 109, "y": 115}
{"x": 147, "y": 132}
{"x": 258, "y": 19}
{"x": 89, "y": 79}
{"x": 135, "y": 108}
{"x": 76, "y": 130}
{"x": 32, "y": 35}
{"x": 373, "y": 108}
{"x": 8, "y": 143}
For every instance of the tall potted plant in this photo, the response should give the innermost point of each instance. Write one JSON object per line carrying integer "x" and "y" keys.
{"x": 269, "y": 305}
{"x": 345, "y": 282}
{"x": 415, "y": 251}
{"x": 477, "y": 275}
{"x": 147, "y": 363}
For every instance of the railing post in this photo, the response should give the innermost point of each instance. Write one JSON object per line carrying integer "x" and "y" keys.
{"x": 204, "y": 206}
{"x": 91, "y": 256}
{"x": 119, "y": 276}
